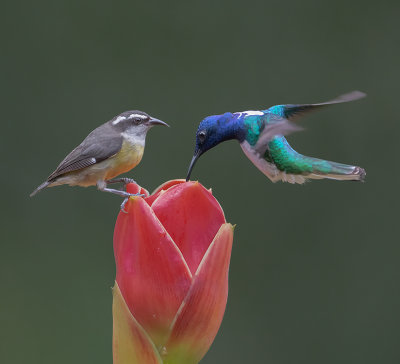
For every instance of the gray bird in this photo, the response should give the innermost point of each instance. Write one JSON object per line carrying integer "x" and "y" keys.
{"x": 108, "y": 151}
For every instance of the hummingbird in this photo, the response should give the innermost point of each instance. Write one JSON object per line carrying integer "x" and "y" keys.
{"x": 260, "y": 134}
{"x": 108, "y": 151}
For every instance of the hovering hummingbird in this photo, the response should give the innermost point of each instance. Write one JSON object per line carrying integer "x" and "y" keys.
{"x": 108, "y": 151}
{"x": 260, "y": 134}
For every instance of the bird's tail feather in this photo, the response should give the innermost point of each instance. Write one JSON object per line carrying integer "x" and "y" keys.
{"x": 332, "y": 170}
{"x": 294, "y": 167}
{"x": 43, "y": 185}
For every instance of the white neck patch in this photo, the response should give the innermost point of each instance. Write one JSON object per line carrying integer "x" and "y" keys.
{"x": 249, "y": 113}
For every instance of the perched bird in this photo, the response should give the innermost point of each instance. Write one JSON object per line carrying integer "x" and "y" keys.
{"x": 109, "y": 150}
{"x": 260, "y": 134}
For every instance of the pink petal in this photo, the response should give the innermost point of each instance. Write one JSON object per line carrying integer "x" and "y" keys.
{"x": 135, "y": 188}
{"x": 161, "y": 189}
{"x": 200, "y": 315}
{"x": 131, "y": 344}
{"x": 165, "y": 186}
{"x": 152, "y": 198}
{"x": 192, "y": 216}
{"x": 151, "y": 271}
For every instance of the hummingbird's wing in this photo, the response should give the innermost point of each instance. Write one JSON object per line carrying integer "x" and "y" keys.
{"x": 275, "y": 126}
{"x": 294, "y": 111}
{"x": 99, "y": 145}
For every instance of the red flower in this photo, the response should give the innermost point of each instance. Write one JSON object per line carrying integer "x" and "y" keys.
{"x": 172, "y": 252}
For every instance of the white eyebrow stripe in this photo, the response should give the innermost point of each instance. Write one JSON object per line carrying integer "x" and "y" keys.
{"x": 140, "y": 116}
{"x": 118, "y": 119}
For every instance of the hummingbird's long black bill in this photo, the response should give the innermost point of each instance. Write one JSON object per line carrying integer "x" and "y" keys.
{"x": 192, "y": 163}
{"x": 154, "y": 121}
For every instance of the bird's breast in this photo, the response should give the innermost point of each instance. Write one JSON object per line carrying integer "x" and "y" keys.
{"x": 127, "y": 158}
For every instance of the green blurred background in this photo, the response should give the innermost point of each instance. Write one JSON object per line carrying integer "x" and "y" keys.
{"x": 314, "y": 272}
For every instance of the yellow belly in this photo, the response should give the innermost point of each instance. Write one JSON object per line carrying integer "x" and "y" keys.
{"x": 127, "y": 158}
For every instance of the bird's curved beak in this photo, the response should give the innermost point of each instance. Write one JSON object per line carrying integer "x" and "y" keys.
{"x": 196, "y": 156}
{"x": 154, "y": 121}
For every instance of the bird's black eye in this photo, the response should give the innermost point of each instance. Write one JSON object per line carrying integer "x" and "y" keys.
{"x": 202, "y": 136}
{"x": 137, "y": 120}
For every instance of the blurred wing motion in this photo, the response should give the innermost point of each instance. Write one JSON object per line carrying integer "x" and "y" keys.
{"x": 275, "y": 125}
{"x": 293, "y": 112}
{"x": 274, "y": 157}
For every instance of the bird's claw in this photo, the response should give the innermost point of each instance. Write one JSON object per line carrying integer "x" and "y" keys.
{"x": 128, "y": 180}
{"x": 123, "y": 205}
{"x": 127, "y": 198}
{"x": 124, "y": 180}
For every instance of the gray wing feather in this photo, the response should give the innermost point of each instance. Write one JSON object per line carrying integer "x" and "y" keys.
{"x": 276, "y": 125}
{"x": 292, "y": 112}
{"x": 100, "y": 144}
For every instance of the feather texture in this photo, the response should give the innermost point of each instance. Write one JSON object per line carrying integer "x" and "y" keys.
{"x": 100, "y": 144}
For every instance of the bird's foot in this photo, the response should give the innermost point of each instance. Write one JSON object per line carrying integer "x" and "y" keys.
{"x": 123, "y": 180}
{"x": 123, "y": 205}
{"x": 126, "y": 200}
{"x": 101, "y": 185}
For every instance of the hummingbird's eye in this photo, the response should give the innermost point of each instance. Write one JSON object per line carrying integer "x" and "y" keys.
{"x": 202, "y": 136}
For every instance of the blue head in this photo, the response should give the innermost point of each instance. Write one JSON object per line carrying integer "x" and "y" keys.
{"x": 212, "y": 131}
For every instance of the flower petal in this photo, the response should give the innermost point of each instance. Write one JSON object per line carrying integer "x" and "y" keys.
{"x": 167, "y": 185}
{"x": 192, "y": 216}
{"x": 152, "y": 198}
{"x": 161, "y": 189}
{"x": 151, "y": 271}
{"x": 131, "y": 344}
{"x": 201, "y": 312}
{"x": 135, "y": 188}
